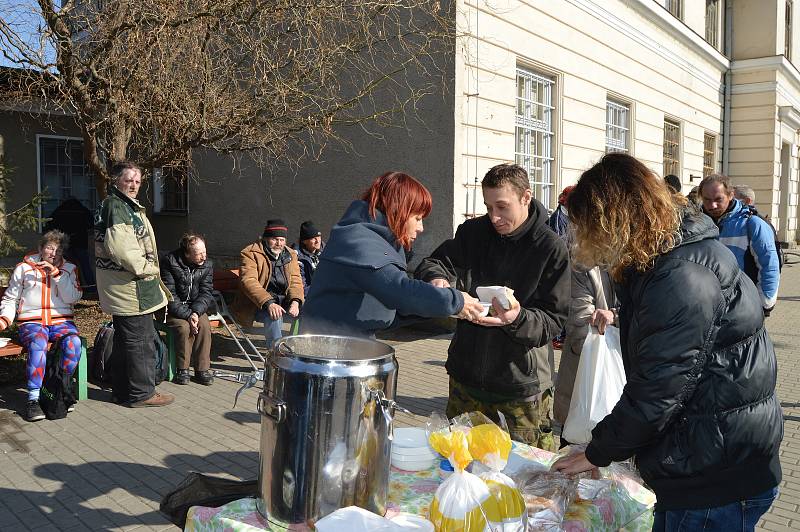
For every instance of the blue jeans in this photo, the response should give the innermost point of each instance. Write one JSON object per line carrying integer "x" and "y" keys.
{"x": 273, "y": 329}
{"x": 737, "y": 516}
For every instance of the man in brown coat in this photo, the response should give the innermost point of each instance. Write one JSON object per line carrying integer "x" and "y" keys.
{"x": 270, "y": 284}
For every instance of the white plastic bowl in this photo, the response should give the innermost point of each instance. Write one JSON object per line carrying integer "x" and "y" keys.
{"x": 409, "y": 437}
{"x": 414, "y": 451}
{"x": 413, "y": 464}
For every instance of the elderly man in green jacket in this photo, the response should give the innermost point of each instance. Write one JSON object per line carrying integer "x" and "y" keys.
{"x": 130, "y": 288}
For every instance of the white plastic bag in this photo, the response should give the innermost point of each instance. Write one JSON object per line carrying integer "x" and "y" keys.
{"x": 598, "y": 384}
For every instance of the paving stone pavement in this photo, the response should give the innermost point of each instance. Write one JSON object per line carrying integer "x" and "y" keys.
{"x": 106, "y": 467}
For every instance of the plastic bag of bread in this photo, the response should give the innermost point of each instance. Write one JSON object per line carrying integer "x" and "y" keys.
{"x": 491, "y": 445}
{"x": 463, "y": 500}
{"x": 547, "y": 495}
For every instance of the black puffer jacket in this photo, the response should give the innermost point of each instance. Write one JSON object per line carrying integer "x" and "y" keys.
{"x": 191, "y": 287}
{"x": 699, "y": 410}
{"x": 513, "y": 360}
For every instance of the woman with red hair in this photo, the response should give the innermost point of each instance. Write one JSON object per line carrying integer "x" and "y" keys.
{"x": 361, "y": 285}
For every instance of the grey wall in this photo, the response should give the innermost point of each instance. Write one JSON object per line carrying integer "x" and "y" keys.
{"x": 19, "y": 151}
{"x": 231, "y": 207}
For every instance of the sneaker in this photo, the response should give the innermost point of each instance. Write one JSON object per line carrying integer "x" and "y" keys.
{"x": 206, "y": 378}
{"x": 34, "y": 412}
{"x": 181, "y": 376}
{"x": 71, "y": 408}
{"x": 158, "y": 399}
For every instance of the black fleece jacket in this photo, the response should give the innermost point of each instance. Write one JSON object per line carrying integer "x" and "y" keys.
{"x": 512, "y": 361}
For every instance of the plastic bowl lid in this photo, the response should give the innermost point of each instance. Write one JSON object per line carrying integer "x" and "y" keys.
{"x": 413, "y": 522}
{"x": 410, "y": 437}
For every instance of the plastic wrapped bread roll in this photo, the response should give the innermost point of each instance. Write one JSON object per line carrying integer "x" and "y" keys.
{"x": 504, "y": 295}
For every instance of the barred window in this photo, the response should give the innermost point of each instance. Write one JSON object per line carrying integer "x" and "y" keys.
{"x": 709, "y": 154}
{"x": 618, "y": 127}
{"x": 675, "y": 7}
{"x": 672, "y": 148}
{"x": 712, "y": 23}
{"x": 534, "y": 131}
{"x": 64, "y": 174}
{"x": 172, "y": 189}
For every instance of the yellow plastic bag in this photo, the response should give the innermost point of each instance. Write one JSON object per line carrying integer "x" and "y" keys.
{"x": 463, "y": 500}
{"x": 491, "y": 445}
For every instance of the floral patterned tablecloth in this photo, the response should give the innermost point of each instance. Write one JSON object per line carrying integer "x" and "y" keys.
{"x": 628, "y": 506}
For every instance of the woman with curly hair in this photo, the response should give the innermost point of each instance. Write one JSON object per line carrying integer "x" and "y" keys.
{"x": 699, "y": 411}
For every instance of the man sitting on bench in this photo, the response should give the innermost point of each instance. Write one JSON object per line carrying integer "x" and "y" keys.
{"x": 269, "y": 282}
{"x": 188, "y": 274}
{"x": 40, "y": 295}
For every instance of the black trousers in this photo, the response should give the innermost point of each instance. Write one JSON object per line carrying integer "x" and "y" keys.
{"x": 133, "y": 360}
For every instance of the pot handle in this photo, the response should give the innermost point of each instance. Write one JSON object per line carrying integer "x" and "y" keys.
{"x": 282, "y": 349}
{"x": 271, "y": 407}
{"x": 388, "y": 408}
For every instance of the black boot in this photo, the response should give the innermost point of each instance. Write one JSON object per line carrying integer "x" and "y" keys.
{"x": 206, "y": 378}
{"x": 182, "y": 376}
{"x": 34, "y": 411}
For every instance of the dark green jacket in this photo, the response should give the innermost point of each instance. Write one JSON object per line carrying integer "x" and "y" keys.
{"x": 128, "y": 280}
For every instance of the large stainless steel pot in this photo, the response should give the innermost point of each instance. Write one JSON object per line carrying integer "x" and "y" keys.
{"x": 326, "y": 421}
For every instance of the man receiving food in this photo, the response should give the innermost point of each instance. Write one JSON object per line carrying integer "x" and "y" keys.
{"x": 504, "y": 362}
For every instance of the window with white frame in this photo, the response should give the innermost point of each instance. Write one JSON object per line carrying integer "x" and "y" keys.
{"x": 618, "y": 126}
{"x": 63, "y": 173}
{"x": 709, "y": 154}
{"x": 534, "y": 131}
{"x": 171, "y": 184}
{"x": 672, "y": 148}
{"x": 712, "y": 23}
{"x": 675, "y": 7}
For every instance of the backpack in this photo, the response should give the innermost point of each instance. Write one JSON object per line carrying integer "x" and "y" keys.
{"x": 55, "y": 396}
{"x": 750, "y": 261}
{"x": 100, "y": 356}
{"x": 162, "y": 356}
{"x": 99, "y": 361}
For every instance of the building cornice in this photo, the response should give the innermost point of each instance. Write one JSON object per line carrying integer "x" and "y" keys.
{"x": 789, "y": 116}
{"x": 777, "y": 63}
{"x": 677, "y": 29}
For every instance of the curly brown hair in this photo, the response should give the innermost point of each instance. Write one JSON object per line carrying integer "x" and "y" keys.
{"x": 623, "y": 216}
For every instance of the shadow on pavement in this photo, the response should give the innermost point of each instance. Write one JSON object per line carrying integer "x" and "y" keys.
{"x": 71, "y": 505}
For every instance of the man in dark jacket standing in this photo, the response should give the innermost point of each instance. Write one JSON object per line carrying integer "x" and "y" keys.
{"x": 189, "y": 276}
{"x": 309, "y": 247}
{"x": 504, "y": 363}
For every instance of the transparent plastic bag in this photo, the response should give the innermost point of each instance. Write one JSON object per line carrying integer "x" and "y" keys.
{"x": 547, "y": 495}
{"x": 598, "y": 384}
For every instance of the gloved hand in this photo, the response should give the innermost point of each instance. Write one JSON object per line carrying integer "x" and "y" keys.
{"x": 767, "y": 311}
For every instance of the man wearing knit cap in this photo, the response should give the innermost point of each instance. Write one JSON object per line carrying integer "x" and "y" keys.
{"x": 309, "y": 248}
{"x": 270, "y": 284}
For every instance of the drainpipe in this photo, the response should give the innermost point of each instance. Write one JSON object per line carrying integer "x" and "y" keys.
{"x": 726, "y": 107}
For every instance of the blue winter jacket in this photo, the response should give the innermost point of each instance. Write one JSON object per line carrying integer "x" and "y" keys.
{"x": 361, "y": 285}
{"x": 745, "y": 232}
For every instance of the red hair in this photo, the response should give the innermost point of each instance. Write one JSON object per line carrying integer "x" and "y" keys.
{"x": 399, "y": 196}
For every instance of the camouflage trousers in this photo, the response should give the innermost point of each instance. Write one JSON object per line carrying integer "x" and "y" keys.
{"x": 528, "y": 421}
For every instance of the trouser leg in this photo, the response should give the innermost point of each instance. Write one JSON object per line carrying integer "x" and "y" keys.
{"x": 135, "y": 337}
{"x": 201, "y": 346}
{"x": 67, "y": 334}
{"x": 33, "y": 337}
{"x": 183, "y": 341}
